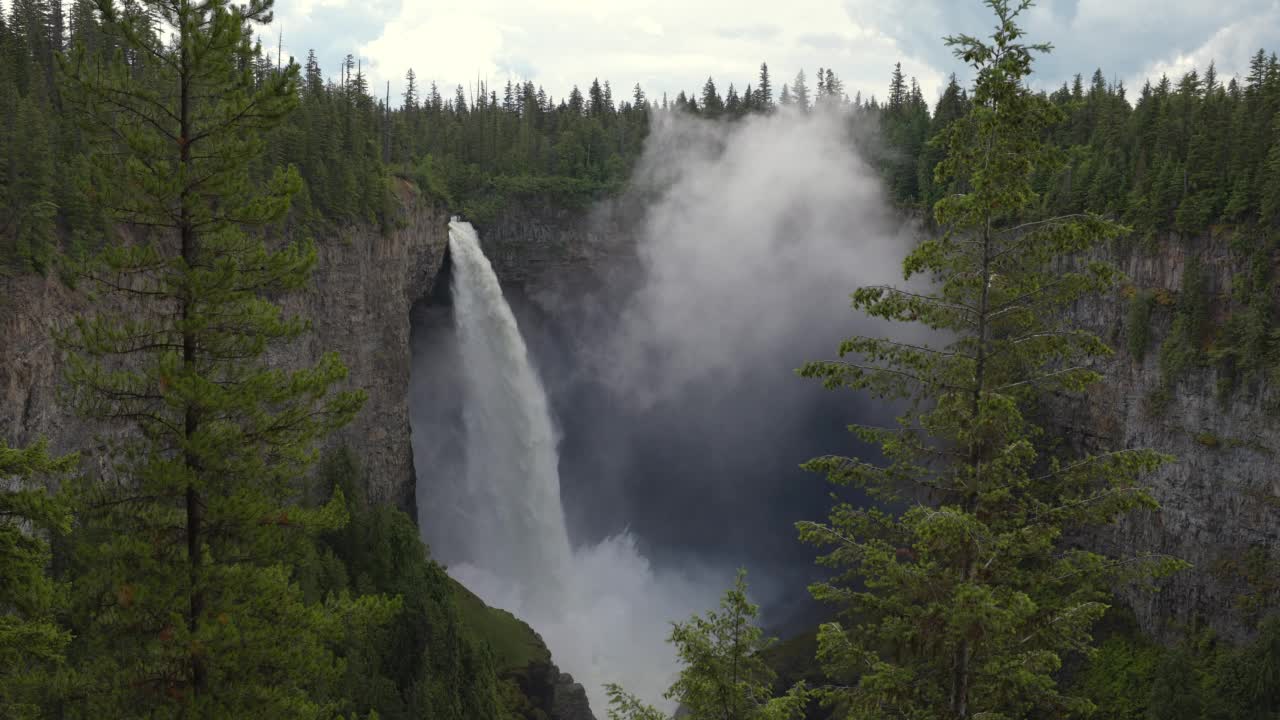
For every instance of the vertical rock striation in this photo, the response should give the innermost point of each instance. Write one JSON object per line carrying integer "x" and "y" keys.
{"x": 1220, "y": 497}
{"x": 358, "y": 303}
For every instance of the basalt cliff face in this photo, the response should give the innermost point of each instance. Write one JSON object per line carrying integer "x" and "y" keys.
{"x": 358, "y": 303}
{"x": 1220, "y": 495}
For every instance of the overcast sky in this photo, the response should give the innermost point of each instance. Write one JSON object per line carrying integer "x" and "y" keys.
{"x": 673, "y": 45}
{"x": 669, "y": 45}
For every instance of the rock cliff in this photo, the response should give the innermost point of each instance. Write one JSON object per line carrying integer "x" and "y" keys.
{"x": 358, "y": 302}
{"x": 1220, "y": 497}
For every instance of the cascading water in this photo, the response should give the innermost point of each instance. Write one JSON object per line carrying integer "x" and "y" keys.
{"x": 491, "y": 504}
{"x": 512, "y": 482}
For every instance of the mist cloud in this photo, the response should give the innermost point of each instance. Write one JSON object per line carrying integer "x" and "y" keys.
{"x": 759, "y": 231}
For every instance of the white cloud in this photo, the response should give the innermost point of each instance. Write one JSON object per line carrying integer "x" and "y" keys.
{"x": 664, "y": 45}
{"x": 1127, "y": 39}
{"x": 1230, "y": 48}
{"x": 673, "y": 45}
{"x": 449, "y": 44}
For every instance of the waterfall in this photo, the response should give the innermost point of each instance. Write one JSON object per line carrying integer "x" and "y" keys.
{"x": 490, "y": 502}
{"x": 511, "y": 497}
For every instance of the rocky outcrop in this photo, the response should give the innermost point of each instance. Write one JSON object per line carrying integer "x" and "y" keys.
{"x": 1220, "y": 497}
{"x": 569, "y": 700}
{"x": 549, "y": 693}
{"x": 358, "y": 303}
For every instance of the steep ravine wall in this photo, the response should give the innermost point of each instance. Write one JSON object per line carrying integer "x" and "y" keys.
{"x": 358, "y": 302}
{"x": 1220, "y": 496}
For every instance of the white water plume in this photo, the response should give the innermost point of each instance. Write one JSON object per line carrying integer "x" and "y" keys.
{"x": 603, "y": 610}
{"x": 512, "y": 502}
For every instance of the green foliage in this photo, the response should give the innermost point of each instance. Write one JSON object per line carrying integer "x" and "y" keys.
{"x": 515, "y": 646}
{"x": 1120, "y": 676}
{"x": 428, "y": 660}
{"x": 965, "y": 601}
{"x": 1185, "y": 347}
{"x": 1138, "y": 323}
{"x": 723, "y": 673}
{"x": 1246, "y": 344}
{"x": 1200, "y": 678}
{"x": 185, "y": 600}
{"x": 31, "y": 640}
{"x": 1130, "y": 676}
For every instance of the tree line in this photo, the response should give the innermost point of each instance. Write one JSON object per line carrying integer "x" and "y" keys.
{"x": 1182, "y": 155}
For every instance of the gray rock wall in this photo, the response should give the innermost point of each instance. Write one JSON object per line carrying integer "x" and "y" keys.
{"x": 1220, "y": 497}
{"x": 358, "y": 303}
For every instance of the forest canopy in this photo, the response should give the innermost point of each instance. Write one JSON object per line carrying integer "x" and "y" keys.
{"x": 1178, "y": 154}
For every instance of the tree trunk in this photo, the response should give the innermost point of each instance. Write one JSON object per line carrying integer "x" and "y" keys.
{"x": 191, "y": 420}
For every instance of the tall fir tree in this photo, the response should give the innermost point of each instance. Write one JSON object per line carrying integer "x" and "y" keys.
{"x": 32, "y": 641}
{"x": 764, "y": 89}
{"x": 712, "y": 105}
{"x": 800, "y": 91}
{"x": 963, "y": 599}
{"x": 186, "y": 605}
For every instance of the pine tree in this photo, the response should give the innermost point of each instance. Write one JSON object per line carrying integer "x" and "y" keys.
{"x": 712, "y": 105}
{"x": 764, "y": 90}
{"x": 1270, "y": 186}
{"x": 596, "y": 106}
{"x": 186, "y": 604}
{"x": 963, "y": 602}
{"x": 833, "y": 89}
{"x": 723, "y": 674}
{"x": 31, "y": 640}
{"x": 800, "y": 91}
{"x": 30, "y": 194}
{"x": 953, "y": 105}
{"x": 410, "y": 95}
{"x": 732, "y": 103}
{"x": 897, "y": 89}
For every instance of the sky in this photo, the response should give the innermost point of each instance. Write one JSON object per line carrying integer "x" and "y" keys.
{"x": 673, "y": 45}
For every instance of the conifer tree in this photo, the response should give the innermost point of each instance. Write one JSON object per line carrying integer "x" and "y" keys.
{"x": 800, "y": 91}
{"x": 186, "y": 605}
{"x": 410, "y": 96}
{"x": 764, "y": 89}
{"x": 897, "y": 89}
{"x": 1270, "y": 190}
{"x": 833, "y": 89}
{"x": 31, "y": 640}
{"x": 732, "y": 103}
{"x": 723, "y": 674}
{"x": 712, "y": 105}
{"x": 962, "y": 601}
{"x": 32, "y": 209}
